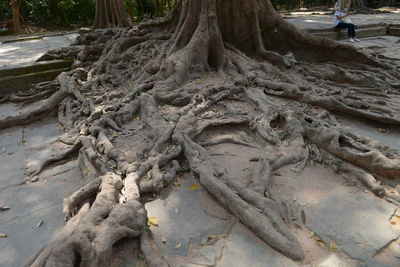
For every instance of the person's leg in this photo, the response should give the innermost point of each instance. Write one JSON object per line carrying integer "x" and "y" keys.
{"x": 350, "y": 30}
{"x": 343, "y": 25}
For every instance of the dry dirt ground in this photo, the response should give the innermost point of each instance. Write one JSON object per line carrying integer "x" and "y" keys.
{"x": 336, "y": 219}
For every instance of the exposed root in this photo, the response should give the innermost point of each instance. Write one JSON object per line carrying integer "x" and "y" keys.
{"x": 63, "y": 53}
{"x": 40, "y": 167}
{"x": 151, "y": 252}
{"x": 42, "y": 108}
{"x": 349, "y": 149}
{"x": 229, "y": 138}
{"x": 366, "y": 178}
{"x": 91, "y": 234}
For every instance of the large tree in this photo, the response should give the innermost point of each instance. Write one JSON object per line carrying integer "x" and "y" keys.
{"x": 208, "y": 64}
{"x": 109, "y": 14}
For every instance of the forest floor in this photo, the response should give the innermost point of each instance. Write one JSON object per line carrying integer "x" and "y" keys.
{"x": 337, "y": 221}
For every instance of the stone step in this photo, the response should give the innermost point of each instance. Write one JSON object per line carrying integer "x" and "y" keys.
{"x": 394, "y": 29}
{"x": 360, "y": 32}
{"x": 21, "y": 78}
{"x": 360, "y": 27}
{"x": 35, "y": 67}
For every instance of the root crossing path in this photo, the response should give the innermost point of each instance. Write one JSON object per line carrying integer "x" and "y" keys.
{"x": 143, "y": 106}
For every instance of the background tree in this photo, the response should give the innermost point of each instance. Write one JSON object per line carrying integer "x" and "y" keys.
{"x": 208, "y": 64}
{"x": 109, "y": 14}
{"x": 15, "y": 5}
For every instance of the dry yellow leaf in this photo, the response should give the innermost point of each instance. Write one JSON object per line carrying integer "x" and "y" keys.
{"x": 177, "y": 182}
{"x": 193, "y": 187}
{"x": 212, "y": 237}
{"x": 393, "y": 223}
{"x": 396, "y": 217}
{"x": 2, "y": 235}
{"x": 152, "y": 221}
{"x": 331, "y": 246}
{"x": 137, "y": 118}
{"x": 321, "y": 243}
{"x": 163, "y": 239}
{"x": 178, "y": 246}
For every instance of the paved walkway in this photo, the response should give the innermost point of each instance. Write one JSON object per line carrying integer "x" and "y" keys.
{"x": 26, "y": 52}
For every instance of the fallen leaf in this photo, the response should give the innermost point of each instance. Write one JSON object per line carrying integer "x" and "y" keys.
{"x": 397, "y": 218}
{"x": 212, "y": 237}
{"x": 4, "y": 208}
{"x": 176, "y": 210}
{"x": 254, "y": 159}
{"x": 277, "y": 174}
{"x": 3, "y": 235}
{"x": 294, "y": 169}
{"x": 321, "y": 243}
{"x": 163, "y": 239}
{"x": 224, "y": 235}
{"x": 152, "y": 221}
{"x": 393, "y": 223}
{"x": 178, "y": 246}
{"x": 266, "y": 194}
{"x": 331, "y": 246}
{"x": 177, "y": 182}
{"x": 137, "y": 118}
{"x": 193, "y": 187}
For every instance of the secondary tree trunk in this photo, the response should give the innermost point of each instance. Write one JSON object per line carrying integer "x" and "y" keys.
{"x": 110, "y": 14}
{"x": 15, "y": 4}
{"x": 159, "y": 8}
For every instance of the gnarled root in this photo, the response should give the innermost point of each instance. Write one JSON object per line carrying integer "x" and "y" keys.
{"x": 381, "y": 162}
{"x": 67, "y": 87}
{"x": 90, "y": 235}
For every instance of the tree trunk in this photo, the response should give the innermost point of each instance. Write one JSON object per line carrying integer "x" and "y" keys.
{"x": 15, "y": 4}
{"x": 110, "y": 14}
{"x": 159, "y": 8}
{"x": 255, "y": 58}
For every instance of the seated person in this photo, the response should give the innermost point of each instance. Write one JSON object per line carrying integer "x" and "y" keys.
{"x": 341, "y": 19}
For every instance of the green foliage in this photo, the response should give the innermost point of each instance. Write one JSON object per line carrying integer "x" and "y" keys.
{"x": 58, "y": 12}
{"x": 137, "y": 9}
{"x": 5, "y": 10}
{"x": 75, "y": 12}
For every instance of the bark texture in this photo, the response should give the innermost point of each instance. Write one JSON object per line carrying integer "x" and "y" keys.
{"x": 208, "y": 64}
{"x": 15, "y": 5}
{"x": 110, "y": 14}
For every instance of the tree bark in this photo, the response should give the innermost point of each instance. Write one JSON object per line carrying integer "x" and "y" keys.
{"x": 15, "y": 4}
{"x": 110, "y": 14}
